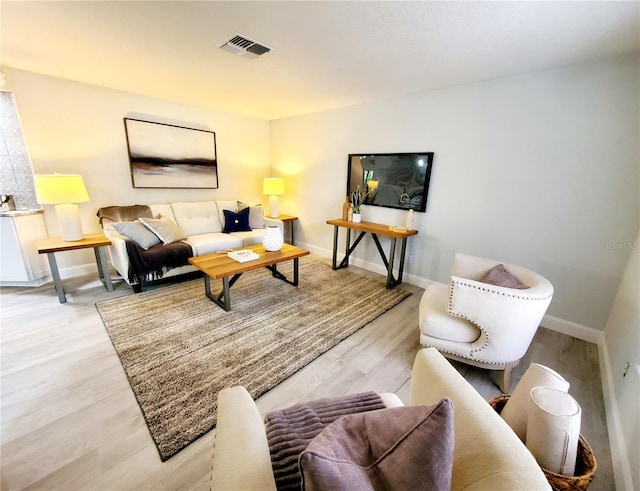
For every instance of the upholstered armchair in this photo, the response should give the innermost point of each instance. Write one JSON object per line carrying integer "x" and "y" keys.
{"x": 480, "y": 323}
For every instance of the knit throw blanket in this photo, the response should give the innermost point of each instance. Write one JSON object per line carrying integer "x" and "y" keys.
{"x": 290, "y": 430}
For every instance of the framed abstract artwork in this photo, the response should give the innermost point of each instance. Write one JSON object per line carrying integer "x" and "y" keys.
{"x": 168, "y": 156}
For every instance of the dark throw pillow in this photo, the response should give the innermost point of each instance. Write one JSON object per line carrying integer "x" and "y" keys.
{"x": 499, "y": 276}
{"x": 236, "y": 222}
{"x": 398, "y": 448}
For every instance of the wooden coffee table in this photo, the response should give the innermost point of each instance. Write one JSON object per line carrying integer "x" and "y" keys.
{"x": 220, "y": 266}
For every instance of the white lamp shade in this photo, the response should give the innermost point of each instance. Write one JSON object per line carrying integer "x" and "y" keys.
{"x": 273, "y": 186}
{"x": 55, "y": 189}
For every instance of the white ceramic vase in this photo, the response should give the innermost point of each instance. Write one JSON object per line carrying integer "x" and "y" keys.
{"x": 357, "y": 217}
{"x": 272, "y": 240}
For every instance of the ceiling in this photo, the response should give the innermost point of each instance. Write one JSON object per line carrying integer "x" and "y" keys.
{"x": 325, "y": 54}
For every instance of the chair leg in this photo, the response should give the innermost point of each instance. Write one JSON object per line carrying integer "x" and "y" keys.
{"x": 504, "y": 378}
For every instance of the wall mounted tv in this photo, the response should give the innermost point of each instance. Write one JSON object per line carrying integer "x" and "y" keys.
{"x": 392, "y": 180}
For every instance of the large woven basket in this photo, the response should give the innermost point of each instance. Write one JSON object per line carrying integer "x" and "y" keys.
{"x": 586, "y": 464}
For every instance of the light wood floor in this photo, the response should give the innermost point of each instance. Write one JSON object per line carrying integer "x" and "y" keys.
{"x": 70, "y": 421}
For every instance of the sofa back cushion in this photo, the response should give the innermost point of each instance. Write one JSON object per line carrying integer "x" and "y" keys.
{"x": 200, "y": 217}
{"x": 164, "y": 210}
{"x": 222, "y": 205}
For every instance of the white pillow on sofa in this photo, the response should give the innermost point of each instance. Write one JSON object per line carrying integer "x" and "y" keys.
{"x": 256, "y": 214}
{"x": 167, "y": 231}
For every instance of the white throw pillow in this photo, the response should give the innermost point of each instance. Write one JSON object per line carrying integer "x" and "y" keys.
{"x": 167, "y": 231}
{"x": 256, "y": 214}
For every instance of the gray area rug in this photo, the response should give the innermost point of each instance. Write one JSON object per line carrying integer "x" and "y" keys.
{"x": 179, "y": 349}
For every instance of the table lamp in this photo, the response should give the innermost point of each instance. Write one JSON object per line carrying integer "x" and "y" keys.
{"x": 63, "y": 191}
{"x": 273, "y": 187}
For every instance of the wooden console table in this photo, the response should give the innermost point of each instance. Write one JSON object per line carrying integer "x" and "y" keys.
{"x": 374, "y": 229}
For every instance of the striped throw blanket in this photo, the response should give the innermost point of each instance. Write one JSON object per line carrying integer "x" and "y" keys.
{"x": 290, "y": 430}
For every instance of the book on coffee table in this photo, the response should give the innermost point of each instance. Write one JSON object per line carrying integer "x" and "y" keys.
{"x": 243, "y": 255}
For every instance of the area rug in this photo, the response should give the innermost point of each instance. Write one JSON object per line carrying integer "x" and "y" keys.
{"x": 179, "y": 349}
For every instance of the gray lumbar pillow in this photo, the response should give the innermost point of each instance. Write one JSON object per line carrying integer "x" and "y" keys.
{"x": 165, "y": 229}
{"x": 138, "y": 233}
{"x": 398, "y": 448}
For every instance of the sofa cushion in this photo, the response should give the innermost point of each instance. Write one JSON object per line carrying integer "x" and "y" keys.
{"x": 225, "y": 205}
{"x": 499, "y": 276}
{"x": 199, "y": 217}
{"x": 256, "y": 214}
{"x": 236, "y": 222}
{"x": 163, "y": 210}
{"x": 439, "y": 323}
{"x": 210, "y": 243}
{"x": 254, "y": 237}
{"x": 167, "y": 231}
{"x": 138, "y": 233}
{"x": 399, "y": 448}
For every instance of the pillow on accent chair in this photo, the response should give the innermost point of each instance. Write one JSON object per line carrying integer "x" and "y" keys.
{"x": 256, "y": 214}
{"x": 236, "y": 222}
{"x": 167, "y": 231}
{"x": 138, "y": 233}
{"x": 398, "y": 448}
{"x": 499, "y": 276}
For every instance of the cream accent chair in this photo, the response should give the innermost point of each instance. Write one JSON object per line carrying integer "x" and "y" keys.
{"x": 481, "y": 324}
{"x": 487, "y": 454}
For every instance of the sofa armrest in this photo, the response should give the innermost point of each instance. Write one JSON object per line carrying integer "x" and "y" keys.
{"x": 241, "y": 459}
{"x": 118, "y": 252}
{"x": 487, "y": 453}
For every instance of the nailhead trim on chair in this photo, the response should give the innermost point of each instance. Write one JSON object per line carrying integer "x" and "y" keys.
{"x": 487, "y": 337}
{"x": 515, "y": 362}
{"x": 491, "y": 290}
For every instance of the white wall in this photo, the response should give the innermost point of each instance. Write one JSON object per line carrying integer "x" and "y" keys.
{"x": 78, "y": 128}
{"x": 539, "y": 169}
{"x": 622, "y": 384}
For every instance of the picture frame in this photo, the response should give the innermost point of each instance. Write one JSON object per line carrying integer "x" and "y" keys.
{"x": 163, "y": 155}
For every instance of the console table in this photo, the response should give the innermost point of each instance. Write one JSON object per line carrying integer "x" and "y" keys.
{"x": 375, "y": 229}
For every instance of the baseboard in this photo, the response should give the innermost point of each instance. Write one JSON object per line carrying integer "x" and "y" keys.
{"x": 573, "y": 329}
{"x": 619, "y": 454}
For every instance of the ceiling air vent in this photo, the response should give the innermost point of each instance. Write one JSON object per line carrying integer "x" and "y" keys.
{"x": 243, "y": 46}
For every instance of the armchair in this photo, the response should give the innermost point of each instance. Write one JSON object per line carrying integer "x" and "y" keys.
{"x": 483, "y": 324}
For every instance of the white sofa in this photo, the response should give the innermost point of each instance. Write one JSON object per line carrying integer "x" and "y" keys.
{"x": 203, "y": 224}
{"x": 487, "y": 452}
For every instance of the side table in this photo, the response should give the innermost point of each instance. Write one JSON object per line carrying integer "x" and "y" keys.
{"x": 97, "y": 242}
{"x": 289, "y": 219}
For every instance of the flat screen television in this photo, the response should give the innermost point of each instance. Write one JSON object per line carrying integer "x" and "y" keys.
{"x": 392, "y": 180}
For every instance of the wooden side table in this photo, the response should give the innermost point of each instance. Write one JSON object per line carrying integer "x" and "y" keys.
{"x": 98, "y": 242}
{"x": 289, "y": 219}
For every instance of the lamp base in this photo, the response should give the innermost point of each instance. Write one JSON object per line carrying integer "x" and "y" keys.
{"x": 274, "y": 206}
{"x": 69, "y": 218}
